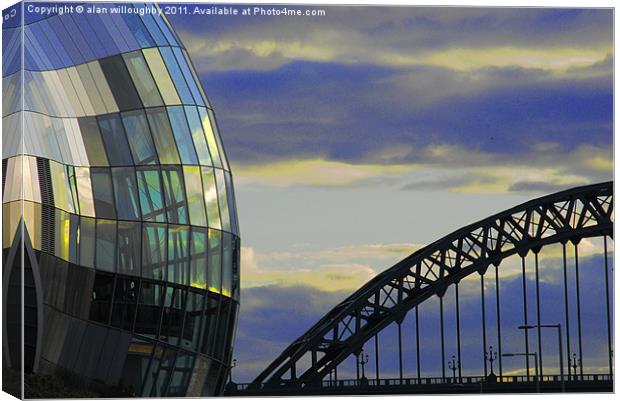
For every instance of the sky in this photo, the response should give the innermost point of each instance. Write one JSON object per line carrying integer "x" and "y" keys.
{"x": 357, "y": 137}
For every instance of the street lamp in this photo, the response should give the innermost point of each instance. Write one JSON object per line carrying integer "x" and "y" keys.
{"x": 527, "y": 355}
{"x": 555, "y": 326}
{"x": 576, "y": 362}
{"x": 490, "y": 356}
{"x": 454, "y": 365}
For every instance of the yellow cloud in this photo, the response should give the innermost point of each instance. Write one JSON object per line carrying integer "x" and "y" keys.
{"x": 317, "y": 172}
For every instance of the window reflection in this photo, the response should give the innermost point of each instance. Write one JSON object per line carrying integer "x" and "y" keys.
{"x": 178, "y": 254}
{"x": 120, "y": 83}
{"x": 200, "y": 142}
{"x": 174, "y": 190}
{"x": 101, "y": 297}
{"x": 151, "y": 196}
{"x": 85, "y": 191}
{"x": 195, "y": 199}
{"x": 139, "y": 137}
{"x": 160, "y": 73}
{"x": 87, "y": 242}
{"x": 198, "y": 264}
{"x": 162, "y": 136}
{"x": 214, "y": 275}
{"x": 142, "y": 78}
{"x": 182, "y": 135}
{"x": 102, "y": 192}
{"x": 208, "y": 130}
{"x": 105, "y": 251}
{"x": 129, "y": 250}
{"x": 210, "y": 195}
{"x": 125, "y": 301}
{"x": 92, "y": 141}
{"x": 154, "y": 247}
{"x": 149, "y": 310}
{"x": 126, "y": 193}
{"x": 114, "y": 140}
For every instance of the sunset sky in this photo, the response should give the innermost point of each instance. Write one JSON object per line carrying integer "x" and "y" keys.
{"x": 358, "y": 137}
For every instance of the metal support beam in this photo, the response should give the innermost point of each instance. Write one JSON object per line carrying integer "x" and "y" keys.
{"x": 417, "y": 340}
{"x": 443, "y": 345}
{"x": 400, "y": 349}
{"x": 484, "y": 324}
{"x": 525, "y": 332}
{"x": 377, "y": 356}
{"x": 566, "y": 314}
{"x": 609, "y": 349}
{"x": 538, "y": 328}
{"x": 458, "y": 330}
{"x": 499, "y": 320}
{"x": 578, "y": 312}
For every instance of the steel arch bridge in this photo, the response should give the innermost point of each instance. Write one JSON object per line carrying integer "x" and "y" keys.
{"x": 563, "y": 217}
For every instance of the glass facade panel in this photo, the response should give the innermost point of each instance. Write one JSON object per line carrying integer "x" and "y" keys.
{"x": 182, "y": 135}
{"x": 195, "y": 199}
{"x": 162, "y": 78}
{"x": 62, "y": 235}
{"x": 218, "y": 140}
{"x": 149, "y": 311}
{"x": 103, "y": 193}
{"x": 178, "y": 254}
{"x": 151, "y": 195}
{"x": 210, "y": 195}
{"x": 180, "y": 375}
{"x": 87, "y": 242}
{"x": 139, "y": 137}
{"x": 208, "y": 130}
{"x": 143, "y": 79}
{"x": 189, "y": 78}
{"x": 198, "y": 263}
{"x": 92, "y": 141}
{"x": 162, "y": 135}
{"x": 120, "y": 83}
{"x": 176, "y": 205}
{"x": 172, "y": 319}
{"x": 126, "y": 193}
{"x": 154, "y": 246}
{"x": 102, "y": 87}
{"x": 223, "y": 199}
{"x": 105, "y": 251}
{"x": 60, "y": 183}
{"x": 227, "y": 260}
{"x": 177, "y": 76}
{"x": 200, "y": 142}
{"x": 114, "y": 140}
{"x": 101, "y": 301}
{"x": 128, "y": 248}
{"x": 125, "y": 303}
{"x": 192, "y": 326}
{"x": 85, "y": 191}
{"x": 214, "y": 274}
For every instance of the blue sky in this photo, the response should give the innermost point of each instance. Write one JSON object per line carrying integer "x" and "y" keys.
{"x": 358, "y": 137}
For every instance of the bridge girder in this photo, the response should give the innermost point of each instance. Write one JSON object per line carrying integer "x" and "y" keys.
{"x": 569, "y": 215}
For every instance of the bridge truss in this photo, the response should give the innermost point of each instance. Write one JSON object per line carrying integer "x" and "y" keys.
{"x": 560, "y": 218}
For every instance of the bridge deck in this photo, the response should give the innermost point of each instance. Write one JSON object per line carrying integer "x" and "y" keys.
{"x": 434, "y": 385}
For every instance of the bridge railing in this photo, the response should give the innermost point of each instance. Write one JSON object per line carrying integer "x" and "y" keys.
{"x": 426, "y": 381}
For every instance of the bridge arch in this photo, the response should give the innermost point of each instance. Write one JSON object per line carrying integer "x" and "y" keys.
{"x": 565, "y": 216}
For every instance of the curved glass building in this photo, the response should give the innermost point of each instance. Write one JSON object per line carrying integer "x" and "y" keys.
{"x": 118, "y": 198}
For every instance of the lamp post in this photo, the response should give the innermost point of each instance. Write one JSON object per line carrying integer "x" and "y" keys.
{"x": 527, "y": 355}
{"x": 490, "y": 356}
{"x": 576, "y": 362}
{"x": 454, "y": 365}
{"x": 561, "y": 352}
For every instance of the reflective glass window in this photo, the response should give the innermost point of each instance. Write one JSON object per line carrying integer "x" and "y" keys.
{"x": 125, "y": 302}
{"x": 91, "y": 89}
{"x": 151, "y": 195}
{"x": 101, "y": 300}
{"x": 92, "y": 141}
{"x": 227, "y": 263}
{"x": 126, "y": 193}
{"x": 177, "y": 76}
{"x": 105, "y": 252}
{"x": 189, "y": 77}
{"x": 81, "y": 43}
{"x": 196, "y": 79}
{"x": 70, "y": 170}
{"x": 182, "y": 135}
{"x": 211, "y": 320}
{"x": 143, "y": 79}
{"x": 129, "y": 250}
{"x": 85, "y": 191}
{"x": 120, "y": 83}
{"x": 193, "y": 327}
{"x": 73, "y": 238}
{"x": 114, "y": 140}
{"x": 210, "y": 195}
{"x": 195, "y": 199}
{"x": 180, "y": 375}
{"x": 103, "y": 193}
{"x": 214, "y": 274}
{"x": 139, "y": 137}
{"x": 172, "y": 320}
{"x": 162, "y": 135}
{"x": 149, "y": 309}
{"x": 223, "y": 198}
{"x": 208, "y": 130}
{"x": 231, "y": 203}
{"x": 154, "y": 30}
{"x": 200, "y": 143}
{"x": 60, "y": 184}
{"x": 100, "y": 45}
{"x": 61, "y": 234}
{"x": 218, "y": 139}
{"x": 176, "y": 205}
{"x": 159, "y": 372}
{"x": 154, "y": 246}
{"x": 198, "y": 263}
{"x": 102, "y": 87}
{"x": 162, "y": 78}
{"x": 178, "y": 254}
{"x": 87, "y": 242}
{"x": 138, "y": 30}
